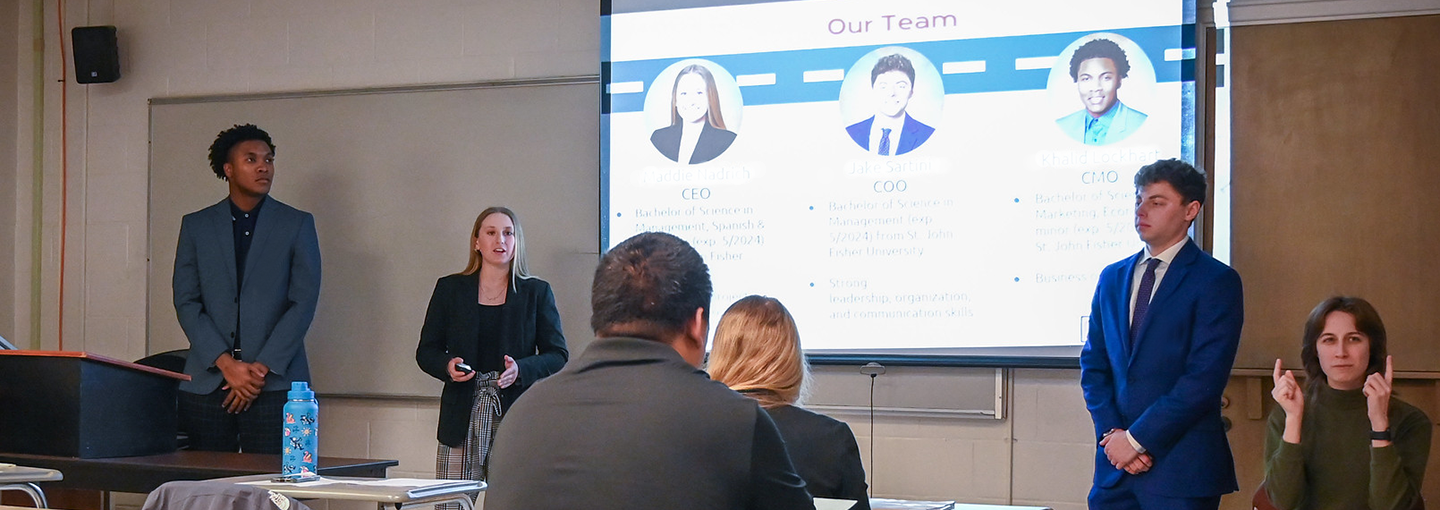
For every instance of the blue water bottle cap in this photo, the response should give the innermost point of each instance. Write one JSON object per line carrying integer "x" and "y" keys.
{"x": 300, "y": 390}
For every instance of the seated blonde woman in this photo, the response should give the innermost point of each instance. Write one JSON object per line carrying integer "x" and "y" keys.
{"x": 757, "y": 353}
{"x": 1344, "y": 442}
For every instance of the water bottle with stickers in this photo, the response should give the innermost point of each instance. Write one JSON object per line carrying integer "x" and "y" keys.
{"x": 301, "y": 436}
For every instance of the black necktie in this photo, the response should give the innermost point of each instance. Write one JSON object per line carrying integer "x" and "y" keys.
{"x": 884, "y": 142}
{"x": 1142, "y": 299}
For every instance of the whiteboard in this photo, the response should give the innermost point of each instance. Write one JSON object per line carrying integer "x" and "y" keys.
{"x": 395, "y": 178}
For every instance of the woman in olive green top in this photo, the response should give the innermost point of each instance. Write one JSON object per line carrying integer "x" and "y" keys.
{"x": 1344, "y": 442}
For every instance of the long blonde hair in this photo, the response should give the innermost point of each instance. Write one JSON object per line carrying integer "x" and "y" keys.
{"x": 757, "y": 352}
{"x": 519, "y": 268}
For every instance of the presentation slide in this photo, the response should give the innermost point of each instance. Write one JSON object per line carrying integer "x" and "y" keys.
{"x": 908, "y": 177}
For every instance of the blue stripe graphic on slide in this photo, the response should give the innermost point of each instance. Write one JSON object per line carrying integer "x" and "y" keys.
{"x": 998, "y": 74}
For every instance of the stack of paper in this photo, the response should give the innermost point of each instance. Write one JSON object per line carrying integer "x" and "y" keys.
{"x": 903, "y": 504}
{"x": 414, "y": 488}
{"x": 421, "y": 487}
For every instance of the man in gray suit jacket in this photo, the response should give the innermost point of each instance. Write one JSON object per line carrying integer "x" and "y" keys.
{"x": 247, "y": 279}
{"x": 633, "y": 423}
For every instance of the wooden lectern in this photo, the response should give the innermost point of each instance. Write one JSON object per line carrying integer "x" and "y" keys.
{"x": 77, "y": 404}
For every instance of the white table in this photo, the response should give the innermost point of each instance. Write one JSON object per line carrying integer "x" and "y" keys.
{"x": 397, "y": 493}
{"x": 903, "y": 504}
{"x": 23, "y": 479}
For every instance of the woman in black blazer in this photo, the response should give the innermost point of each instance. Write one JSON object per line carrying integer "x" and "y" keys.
{"x": 502, "y": 323}
{"x": 757, "y": 353}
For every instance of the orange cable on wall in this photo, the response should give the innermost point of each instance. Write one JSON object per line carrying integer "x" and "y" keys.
{"x": 64, "y": 166}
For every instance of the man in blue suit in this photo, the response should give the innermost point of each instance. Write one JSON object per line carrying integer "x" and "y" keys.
{"x": 891, "y": 131}
{"x": 1099, "y": 67}
{"x": 1164, "y": 327}
{"x": 246, "y": 283}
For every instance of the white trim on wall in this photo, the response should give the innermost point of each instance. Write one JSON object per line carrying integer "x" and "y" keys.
{"x": 1264, "y": 12}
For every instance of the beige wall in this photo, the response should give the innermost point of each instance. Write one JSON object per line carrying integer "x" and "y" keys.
{"x": 193, "y": 47}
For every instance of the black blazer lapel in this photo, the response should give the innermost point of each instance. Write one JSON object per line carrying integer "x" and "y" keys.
{"x": 467, "y": 297}
{"x": 512, "y": 313}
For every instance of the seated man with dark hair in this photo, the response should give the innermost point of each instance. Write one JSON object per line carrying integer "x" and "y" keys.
{"x": 633, "y": 423}
{"x": 1099, "y": 67}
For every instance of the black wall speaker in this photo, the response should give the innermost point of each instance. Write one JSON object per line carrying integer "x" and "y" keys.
{"x": 97, "y": 55}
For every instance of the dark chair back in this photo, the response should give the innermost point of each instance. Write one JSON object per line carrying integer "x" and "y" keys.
{"x": 1261, "y": 500}
{"x": 173, "y": 361}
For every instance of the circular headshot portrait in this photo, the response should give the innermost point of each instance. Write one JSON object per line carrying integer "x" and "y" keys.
{"x": 693, "y": 109}
{"x": 1100, "y": 88}
{"x": 890, "y": 100}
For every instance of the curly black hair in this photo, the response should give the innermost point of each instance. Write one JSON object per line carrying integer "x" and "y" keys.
{"x": 1100, "y": 48}
{"x": 220, "y": 150}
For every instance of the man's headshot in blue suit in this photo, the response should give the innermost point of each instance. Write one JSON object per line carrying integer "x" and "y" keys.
{"x": 1099, "y": 67}
{"x": 1164, "y": 327}
{"x": 891, "y": 131}
{"x": 246, "y": 284}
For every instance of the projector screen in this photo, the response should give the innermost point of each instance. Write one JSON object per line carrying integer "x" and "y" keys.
{"x": 923, "y": 179}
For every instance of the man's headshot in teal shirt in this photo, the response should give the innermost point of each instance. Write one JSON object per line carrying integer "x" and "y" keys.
{"x": 1099, "y": 67}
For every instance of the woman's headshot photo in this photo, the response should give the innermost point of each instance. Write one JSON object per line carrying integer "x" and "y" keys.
{"x": 890, "y": 100}
{"x": 695, "y": 107}
{"x": 1113, "y": 79}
